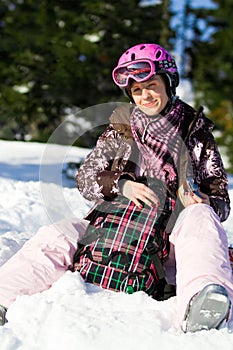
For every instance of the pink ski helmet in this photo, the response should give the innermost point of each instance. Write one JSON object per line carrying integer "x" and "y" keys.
{"x": 141, "y": 62}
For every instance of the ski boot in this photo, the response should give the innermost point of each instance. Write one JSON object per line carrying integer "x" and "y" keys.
{"x": 3, "y": 319}
{"x": 208, "y": 309}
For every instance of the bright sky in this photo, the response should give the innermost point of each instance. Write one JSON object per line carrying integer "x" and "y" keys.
{"x": 178, "y": 4}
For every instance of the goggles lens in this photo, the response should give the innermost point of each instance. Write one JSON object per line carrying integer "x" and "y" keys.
{"x": 139, "y": 71}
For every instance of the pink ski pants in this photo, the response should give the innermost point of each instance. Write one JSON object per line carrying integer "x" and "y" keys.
{"x": 198, "y": 238}
{"x": 41, "y": 261}
{"x": 201, "y": 254}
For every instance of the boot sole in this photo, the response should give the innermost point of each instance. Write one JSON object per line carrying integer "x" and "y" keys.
{"x": 208, "y": 309}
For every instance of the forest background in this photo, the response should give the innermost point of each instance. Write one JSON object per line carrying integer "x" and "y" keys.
{"x": 56, "y": 59}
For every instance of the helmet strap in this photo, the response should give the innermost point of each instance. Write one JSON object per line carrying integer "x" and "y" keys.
{"x": 169, "y": 84}
{"x": 170, "y": 90}
{"x": 167, "y": 109}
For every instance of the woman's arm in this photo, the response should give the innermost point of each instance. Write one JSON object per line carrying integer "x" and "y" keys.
{"x": 213, "y": 177}
{"x": 99, "y": 174}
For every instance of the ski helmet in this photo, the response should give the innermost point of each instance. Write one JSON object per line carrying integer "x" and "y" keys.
{"x": 141, "y": 62}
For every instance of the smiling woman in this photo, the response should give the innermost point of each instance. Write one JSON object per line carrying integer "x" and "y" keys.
{"x": 135, "y": 175}
{"x": 150, "y": 95}
{"x": 160, "y": 124}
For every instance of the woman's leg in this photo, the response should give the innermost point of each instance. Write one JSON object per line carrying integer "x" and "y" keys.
{"x": 41, "y": 261}
{"x": 201, "y": 251}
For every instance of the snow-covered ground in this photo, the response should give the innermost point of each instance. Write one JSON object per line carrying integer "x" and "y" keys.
{"x": 72, "y": 314}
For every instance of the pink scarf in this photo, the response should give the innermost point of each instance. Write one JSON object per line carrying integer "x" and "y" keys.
{"x": 159, "y": 139}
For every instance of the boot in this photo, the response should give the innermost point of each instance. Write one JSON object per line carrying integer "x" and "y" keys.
{"x": 3, "y": 319}
{"x": 208, "y": 309}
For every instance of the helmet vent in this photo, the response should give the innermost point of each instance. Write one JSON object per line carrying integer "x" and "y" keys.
{"x": 158, "y": 54}
{"x": 142, "y": 47}
{"x": 133, "y": 56}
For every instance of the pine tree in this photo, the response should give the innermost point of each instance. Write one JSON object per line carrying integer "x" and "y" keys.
{"x": 211, "y": 58}
{"x": 58, "y": 55}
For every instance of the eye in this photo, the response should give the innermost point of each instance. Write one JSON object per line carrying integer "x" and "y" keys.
{"x": 152, "y": 85}
{"x": 135, "y": 90}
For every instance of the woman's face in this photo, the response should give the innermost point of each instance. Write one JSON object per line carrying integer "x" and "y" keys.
{"x": 150, "y": 95}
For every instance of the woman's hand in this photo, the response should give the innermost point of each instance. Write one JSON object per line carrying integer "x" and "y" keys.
{"x": 138, "y": 192}
{"x": 188, "y": 198}
{"x": 204, "y": 198}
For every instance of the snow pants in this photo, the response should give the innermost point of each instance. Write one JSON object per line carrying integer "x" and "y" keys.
{"x": 41, "y": 261}
{"x": 200, "y": 255}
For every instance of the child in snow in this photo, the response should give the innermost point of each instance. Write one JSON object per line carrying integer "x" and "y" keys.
{"x": 151, "y": 131}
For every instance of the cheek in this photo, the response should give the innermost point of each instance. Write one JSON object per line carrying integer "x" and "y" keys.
{"x": 136, "y": 99}
{"x": 164, "y": 97}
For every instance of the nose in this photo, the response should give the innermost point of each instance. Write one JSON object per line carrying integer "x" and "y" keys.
{"x": 145, "y": 93}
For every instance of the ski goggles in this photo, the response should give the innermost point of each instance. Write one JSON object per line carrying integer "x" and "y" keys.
{"x": 139, "y": 70}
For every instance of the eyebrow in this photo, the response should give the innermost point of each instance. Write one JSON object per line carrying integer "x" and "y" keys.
{"x": 134, "y": 83}
{"x": 156, "y": 77}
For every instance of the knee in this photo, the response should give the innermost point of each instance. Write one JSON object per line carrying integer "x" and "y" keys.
{"x": 194, "y": 216}
{"x": 199, "y": 209}
{"x": 194, "y": 212}
{"x": 45, "y": 234}
{"x": 200, "y": 212}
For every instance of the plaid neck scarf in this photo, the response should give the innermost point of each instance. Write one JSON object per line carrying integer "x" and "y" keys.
{"x": 159, "y": 139}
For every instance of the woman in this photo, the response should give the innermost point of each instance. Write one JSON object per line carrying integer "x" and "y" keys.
{"x": 147, "y": 141}
{"x": 148, "y": 75}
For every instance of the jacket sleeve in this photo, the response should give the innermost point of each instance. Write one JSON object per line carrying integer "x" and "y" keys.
{"x": 212, "y": 176}
{"x": 95, "y": 178}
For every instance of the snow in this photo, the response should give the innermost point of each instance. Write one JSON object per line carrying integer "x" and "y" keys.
{"x": 72, "y": 314}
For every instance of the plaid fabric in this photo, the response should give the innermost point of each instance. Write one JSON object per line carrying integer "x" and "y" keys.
{"x": 160, "y": 155}
{"x": 117, "y": 279}
{"x": 118, "y": 259}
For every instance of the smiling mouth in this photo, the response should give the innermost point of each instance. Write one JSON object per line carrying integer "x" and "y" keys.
{"x": 151, "y": 104}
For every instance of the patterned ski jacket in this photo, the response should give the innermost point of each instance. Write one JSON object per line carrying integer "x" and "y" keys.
{"x": 135, "y": 144}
